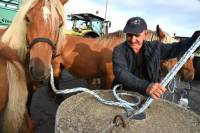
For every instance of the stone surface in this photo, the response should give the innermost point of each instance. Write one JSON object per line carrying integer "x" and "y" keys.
{"x": 83, "y": 113}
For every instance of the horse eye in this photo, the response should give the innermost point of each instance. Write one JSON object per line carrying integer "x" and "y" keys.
{"x": 27, "y": 19}
{"x": 61, "y": 24}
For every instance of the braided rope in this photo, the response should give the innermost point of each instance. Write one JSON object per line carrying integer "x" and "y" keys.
{"x": 120, "y": 102}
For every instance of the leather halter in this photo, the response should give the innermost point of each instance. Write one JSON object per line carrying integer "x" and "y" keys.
{"x": 45, "y": 40}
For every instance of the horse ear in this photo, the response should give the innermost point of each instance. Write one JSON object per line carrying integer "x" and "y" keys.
{"x": 159, "y": 32}
{"x": 63, "y": 1}
{"x": 157, "y": 29}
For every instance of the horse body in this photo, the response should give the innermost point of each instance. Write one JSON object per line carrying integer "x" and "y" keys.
{"x": 13, "y": 96}
{"x": 98, "y": 53}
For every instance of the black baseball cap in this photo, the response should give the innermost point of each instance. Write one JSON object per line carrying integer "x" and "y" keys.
{"x": 135, "y": 25}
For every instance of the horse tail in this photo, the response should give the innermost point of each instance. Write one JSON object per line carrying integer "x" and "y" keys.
{"x": 17, "y": 98}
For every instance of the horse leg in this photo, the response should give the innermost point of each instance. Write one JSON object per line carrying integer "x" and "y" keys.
{"x": 187, "y": 71}
{"x": 106, "y": 82}
{"x": 107, "y": 76}
{"x": 93, "y": 83}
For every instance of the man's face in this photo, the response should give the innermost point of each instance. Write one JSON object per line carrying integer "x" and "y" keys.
{"x": 135, "y": 41}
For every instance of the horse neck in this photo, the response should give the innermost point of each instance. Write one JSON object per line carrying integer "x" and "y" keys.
{"x": 151, "y": 36}
{"x": 94, "y": 43}
{"x": 110, "y": 42}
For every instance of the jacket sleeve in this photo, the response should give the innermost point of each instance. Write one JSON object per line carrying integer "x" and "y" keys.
{"x": 123, "y": 74}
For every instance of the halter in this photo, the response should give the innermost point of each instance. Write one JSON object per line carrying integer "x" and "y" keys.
{"x": 43, "y": 39}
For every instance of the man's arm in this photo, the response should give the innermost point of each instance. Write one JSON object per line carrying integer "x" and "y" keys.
{"x": 172, "y": 50}
{"x": 123, "y": 74}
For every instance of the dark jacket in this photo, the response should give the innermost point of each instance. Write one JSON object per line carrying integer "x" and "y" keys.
{"x": 153, "y": 52}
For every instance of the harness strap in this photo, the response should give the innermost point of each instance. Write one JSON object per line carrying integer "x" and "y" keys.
{"x": 42, "y": 39}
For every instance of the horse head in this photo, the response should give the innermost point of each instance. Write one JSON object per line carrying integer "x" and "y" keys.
{"x": 187, "y": 70}
{"x": 45, "y": 22}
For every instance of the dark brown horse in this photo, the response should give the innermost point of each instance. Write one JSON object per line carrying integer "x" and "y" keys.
{"x": 90, "y": 58}
{"x": 14, "y": 92}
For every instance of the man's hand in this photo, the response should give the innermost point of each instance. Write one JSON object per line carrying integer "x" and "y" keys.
{"x": 155, "y": 90}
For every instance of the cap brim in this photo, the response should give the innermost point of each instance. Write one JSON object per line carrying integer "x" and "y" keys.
{"x": 132, "y": 30}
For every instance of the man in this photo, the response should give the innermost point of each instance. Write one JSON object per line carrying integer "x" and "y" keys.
{"x": 136, "y": 62}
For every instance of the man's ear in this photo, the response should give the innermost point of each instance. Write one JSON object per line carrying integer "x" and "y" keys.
{"x": 146, "y": 32}
{"x": 63, "y": 1}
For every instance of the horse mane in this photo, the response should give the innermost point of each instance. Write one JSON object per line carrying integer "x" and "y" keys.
{"x": 8, "y": 54}
{"x": 15, "y": 35}
{"x": 118, "y": 33}
{"x": 153, "y": 35}
{"x": 107, "y": 39}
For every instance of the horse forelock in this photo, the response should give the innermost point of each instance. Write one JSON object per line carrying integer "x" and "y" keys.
{"x": 56, "y": 11}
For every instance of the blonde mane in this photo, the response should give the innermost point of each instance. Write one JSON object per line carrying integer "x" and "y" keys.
{"x": 15, "y": 35}
{"x": 152, "y": 36}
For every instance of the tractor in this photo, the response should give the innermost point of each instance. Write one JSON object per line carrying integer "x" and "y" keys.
{"x": 86, "y": 25}
{"x": 8, "y": 9}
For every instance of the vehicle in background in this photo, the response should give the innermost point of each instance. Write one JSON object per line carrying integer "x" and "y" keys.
{"x": 8, "y": 9}
{"x": 86, "y": 25}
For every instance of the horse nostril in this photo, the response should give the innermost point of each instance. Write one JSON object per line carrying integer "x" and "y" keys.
{"x": 34, "y": 73}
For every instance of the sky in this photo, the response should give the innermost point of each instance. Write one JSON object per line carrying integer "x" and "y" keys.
{"x": 174, "y": 16}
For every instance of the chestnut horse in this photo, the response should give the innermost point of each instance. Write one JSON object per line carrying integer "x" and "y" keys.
{"x": 91, "y": 57}
{"x": 187, "y": 71}
{"x": 34, "y": 32}
{"x": 14, "y": 92}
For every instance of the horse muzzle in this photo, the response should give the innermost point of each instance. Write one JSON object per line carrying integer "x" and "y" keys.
{"x": 38, "y": 71}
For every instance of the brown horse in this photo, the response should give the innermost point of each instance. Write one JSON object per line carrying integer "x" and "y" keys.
{"x": 14, "y": 92}
{"x": 90, "y": 58}
{"x": 38, "y": 24}
{"x": 34, "y": 33}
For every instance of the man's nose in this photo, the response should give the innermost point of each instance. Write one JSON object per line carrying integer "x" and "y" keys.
{"x": 133, "y": 38}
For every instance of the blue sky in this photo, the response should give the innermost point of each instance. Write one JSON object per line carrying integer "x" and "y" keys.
{"x": 174, "y": 16}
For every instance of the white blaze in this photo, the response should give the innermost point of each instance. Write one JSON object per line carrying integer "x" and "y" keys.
{"x": 46, "y": 13}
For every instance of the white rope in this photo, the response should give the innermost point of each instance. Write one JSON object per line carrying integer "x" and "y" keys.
{"x": 171, "y": 87}
{"x": 172, "y": 73}
{"x": 120, "y": 102}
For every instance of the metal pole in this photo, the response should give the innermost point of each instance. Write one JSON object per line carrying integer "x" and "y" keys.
{"x": 106, "y": 9}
